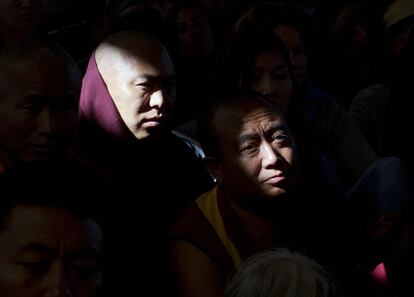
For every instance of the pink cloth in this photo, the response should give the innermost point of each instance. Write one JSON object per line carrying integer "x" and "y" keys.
{"x": 96, "y": 104}
{"x": 379, "y": 274}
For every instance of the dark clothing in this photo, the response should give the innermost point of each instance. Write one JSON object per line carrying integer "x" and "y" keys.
{"x": 156, "y": 180}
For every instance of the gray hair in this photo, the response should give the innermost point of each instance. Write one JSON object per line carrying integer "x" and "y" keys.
{"x": 281, "y": 273}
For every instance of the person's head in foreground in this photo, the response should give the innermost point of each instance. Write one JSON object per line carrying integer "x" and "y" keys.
{"x": 51, "y": 241}
{"x": 281, "y": 273}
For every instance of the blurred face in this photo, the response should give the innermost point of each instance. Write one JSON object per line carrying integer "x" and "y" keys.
{"x": 20, "y": 13}
{"x": 143, "y": 90}
{"x": 194, "y": 32}
{"x": 294, "y": 44}
{"x": 271, "y": 77}
{"x": 38, "y": 110}
{"x": 48, "y": 252}
{"x": 257, "y": 152}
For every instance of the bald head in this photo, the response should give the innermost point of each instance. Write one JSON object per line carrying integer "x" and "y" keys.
{"x": 140, "y": 79}
{"x": 121, "y": 47}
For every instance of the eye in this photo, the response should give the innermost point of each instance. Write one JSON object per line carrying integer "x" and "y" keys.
{"x": 146, "y": 86}
{"x": 35, "y": 267}
{"x": 248, "y": 147}
{"x": 281, "y": 138}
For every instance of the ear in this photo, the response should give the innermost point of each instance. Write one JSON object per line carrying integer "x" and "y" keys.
{"x": 213, "y": 166}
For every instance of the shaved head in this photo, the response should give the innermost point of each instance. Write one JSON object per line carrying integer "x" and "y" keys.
{"x": 140, "y": 78}
{"x": 122, "y": 46}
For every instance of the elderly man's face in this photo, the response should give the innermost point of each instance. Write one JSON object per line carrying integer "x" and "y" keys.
{"x": 143, "y": 90}
{"x": 257, "y": 152}
{"x": 38, "y": 110}
{"x": 49, "y": 252}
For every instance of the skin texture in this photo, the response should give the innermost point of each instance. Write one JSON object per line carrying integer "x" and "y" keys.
{"x": 38, "y": 113}
{"x": 257, "y": 152}
{"x": 49, "y": 252}
{"x": 271, "y": 77}
{"x": 141, "y": 82}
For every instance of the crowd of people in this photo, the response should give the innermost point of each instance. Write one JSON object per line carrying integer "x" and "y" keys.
{"x": 197, "y": 148}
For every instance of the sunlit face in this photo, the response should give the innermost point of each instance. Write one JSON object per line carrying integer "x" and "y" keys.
{"x": 194, "y": 32}
{"x": 38, "y": 110}
{"x": 257, "y": 152}
{"x": 295, "y": 46}
{"x": 271, "y": 77}
{"x": 20, "y": 13}
{"x": 48, "y": 252}
{"x": 143, "y": 90}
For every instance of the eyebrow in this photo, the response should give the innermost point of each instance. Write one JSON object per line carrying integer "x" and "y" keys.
{"x": 244, "y": 137}
{"x": 37, "y": 247}
{"x": 144, "y": 77}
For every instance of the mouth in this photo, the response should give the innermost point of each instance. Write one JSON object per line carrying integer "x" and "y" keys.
{"x": 153, "y": 122}
{"x": 275, "y": 180}
{"x": 44, "y": 150}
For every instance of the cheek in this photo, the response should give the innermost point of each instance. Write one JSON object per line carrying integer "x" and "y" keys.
{"x": 15, "y": 127}
{"x": 13, "y": 281}
{"x": 289, "y": 155}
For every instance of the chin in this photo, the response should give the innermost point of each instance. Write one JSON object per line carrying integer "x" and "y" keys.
{"x": 275, "y": 193}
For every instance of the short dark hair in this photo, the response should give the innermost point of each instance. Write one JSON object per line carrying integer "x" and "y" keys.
{"x": 207, "y": 128}
{"x": 72, "y": 185}
{"x": 234, "y": 63}
{"x": 268, "y": 16}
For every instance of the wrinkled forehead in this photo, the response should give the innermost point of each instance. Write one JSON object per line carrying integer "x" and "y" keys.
{"x": 50, "y": 226}
{"x": 239, "y": 115}
{"x": 41, "y": 67}
{"x": 247, "y": 109}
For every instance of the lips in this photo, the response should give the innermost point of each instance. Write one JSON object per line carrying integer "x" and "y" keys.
{"x": 153, "y": 122}
{"x": 44, "y": 148}
{"x": 276, "y": 179}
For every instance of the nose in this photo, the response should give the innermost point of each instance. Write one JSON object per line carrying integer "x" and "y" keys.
{"x": 267, "y": 86}
{"x": 57, "y": 284}
{"x": 46, "y": 124}
{"x": 269, "y": 155}
{"x": 157, "y": 99}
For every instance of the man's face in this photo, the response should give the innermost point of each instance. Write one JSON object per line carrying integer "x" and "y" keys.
{"x": 257, "y": 151}
{"x": 271, "y": 77}
{"x": 295, "y": 46}
{"x": 143, "y": 90}
{"x": 38, "y": 111}
{"x": 20, "y": 13}
{"x": 48, "y": 252}
{"x": 194, "y": 32}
